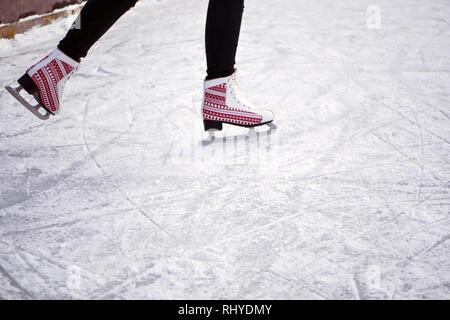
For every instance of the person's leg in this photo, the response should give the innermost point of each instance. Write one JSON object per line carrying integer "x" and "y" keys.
{"x": 45, "y": 80}
{"x": 96, "y": 17}
{"x": 222, "y": 102}
{"x": 223, "y": 25}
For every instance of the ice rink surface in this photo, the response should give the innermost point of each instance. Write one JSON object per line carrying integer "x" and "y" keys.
{"x": 123, "y": 196}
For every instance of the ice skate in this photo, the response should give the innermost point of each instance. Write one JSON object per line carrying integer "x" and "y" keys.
{"x": 222, "y": 103}
{"x": 45, "y": 83}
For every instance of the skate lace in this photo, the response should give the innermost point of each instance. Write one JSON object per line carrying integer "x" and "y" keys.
{"x": 75, "y": 69}
{"x": 63, "y": 81}
{"x": 237, "y": 94}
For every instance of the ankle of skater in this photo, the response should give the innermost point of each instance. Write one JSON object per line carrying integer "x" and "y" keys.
{"x": 212, "y": 75}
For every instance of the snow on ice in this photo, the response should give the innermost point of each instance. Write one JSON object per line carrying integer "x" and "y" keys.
{"x": 123, "y": 196}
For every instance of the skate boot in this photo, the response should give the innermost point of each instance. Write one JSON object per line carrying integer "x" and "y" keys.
{"x": 222, "y": 103}
{"x": 45, "y": 82}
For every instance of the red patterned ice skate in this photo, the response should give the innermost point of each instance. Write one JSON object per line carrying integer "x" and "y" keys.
{"x": 45, "y": 82}
{"x": 222, "y": 103}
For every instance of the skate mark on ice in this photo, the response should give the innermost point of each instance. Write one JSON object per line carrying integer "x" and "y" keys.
{"x": 412, "y": 122}
{"x": 404, "y": 87}
{"x": 70, "y": 222}
{"x": 326, "y": 257}
{"x": 395, "y": 148}
{"x": 46, "y": 185}
{"x": 31, "y": 129}
{"x": 402, "y": 236}
{"x": 422, "y": 161}
{"x": 437, "y": 136}
{"x": 61, "y": 263}
{"x": 58, "y": 225}
{"x": 269, "y": 224}
{"x": 114, "y": 289}
{"x": 295, "y": 280}
{"x": 439, "y": 242}
{"x": 388, "y": 204}
{"x": 163, "y": 116}
{"x": 402, "y": 213}
{"x": 14, "y": 283}
{"x": 425, "y": 226}
{"x": 99, "y": 166}
{"x": 412, "y": 257}
{"x": 33, "y": 268}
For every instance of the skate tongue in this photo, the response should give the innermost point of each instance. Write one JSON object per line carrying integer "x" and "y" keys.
{"x": 238, "y": 92}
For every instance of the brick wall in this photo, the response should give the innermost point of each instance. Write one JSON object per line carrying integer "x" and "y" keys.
{"x": 13, "y": 10}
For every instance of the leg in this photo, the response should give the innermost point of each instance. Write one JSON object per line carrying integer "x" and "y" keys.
{"x": 222, "y": 102}
{"x": 96, "y": 18}
{"x": 223, "y": 26}
{"x": 45, "y": 80}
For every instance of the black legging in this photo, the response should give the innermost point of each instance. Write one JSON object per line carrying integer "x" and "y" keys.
{"x": 223, "y": 25}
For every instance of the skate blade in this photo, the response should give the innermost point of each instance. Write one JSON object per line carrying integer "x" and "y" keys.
{"x": 33, "y": 109}
{"x": 213, "y": 125}
{"x": 252, "y": 133}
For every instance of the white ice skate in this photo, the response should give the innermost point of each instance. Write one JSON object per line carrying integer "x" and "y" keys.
{"x": 45, "y": 82}
{"x": 222, "y": 103}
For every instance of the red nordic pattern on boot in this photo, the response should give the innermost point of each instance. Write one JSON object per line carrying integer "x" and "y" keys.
{"x": 47, "y": 78}
{"x": 215, "y": 108}
{"x": 49, "y": 75}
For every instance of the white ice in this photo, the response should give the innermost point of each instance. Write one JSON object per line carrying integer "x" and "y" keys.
{"x": 122, "y": 195}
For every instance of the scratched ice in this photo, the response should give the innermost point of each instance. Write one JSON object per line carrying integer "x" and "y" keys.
{"x": 122, "y": 195}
